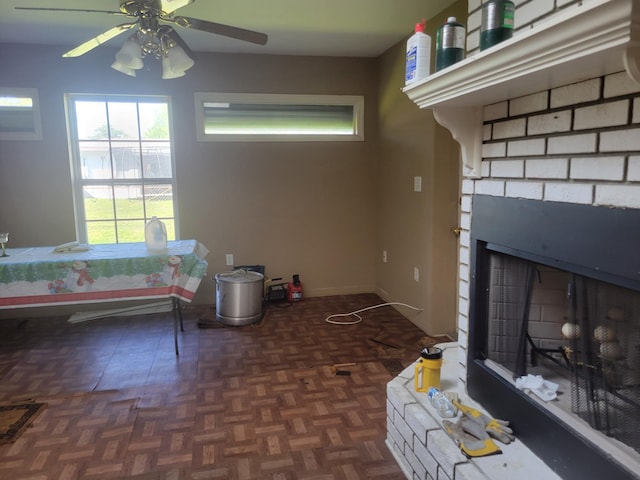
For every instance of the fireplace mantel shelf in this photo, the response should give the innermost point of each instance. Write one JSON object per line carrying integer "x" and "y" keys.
{"x": 586, "y": 40}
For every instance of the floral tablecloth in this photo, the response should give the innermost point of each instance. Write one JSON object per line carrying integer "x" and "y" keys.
{"x": 38, "y": 276}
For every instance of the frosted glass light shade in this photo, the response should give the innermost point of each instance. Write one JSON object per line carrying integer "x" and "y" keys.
{"x": 124, "y": 69}
{"x": 130, "y": 55}
{"x": 175, "y": 63}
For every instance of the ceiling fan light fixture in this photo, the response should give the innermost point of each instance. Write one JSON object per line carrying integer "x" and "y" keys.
{"x": 130, "y": 55}
{"x": 123, "y": 69}
{"x": 177, "y": 59}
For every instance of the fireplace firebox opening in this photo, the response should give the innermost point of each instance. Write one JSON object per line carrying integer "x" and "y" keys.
{"x": 556, "y": 292}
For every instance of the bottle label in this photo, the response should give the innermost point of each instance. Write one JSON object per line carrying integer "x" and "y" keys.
{"x": 450, "y": 36}
{"x": 412, "y": 63}
{"x": 498, "y": 15}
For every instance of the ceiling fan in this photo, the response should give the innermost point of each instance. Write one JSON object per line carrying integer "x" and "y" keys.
{"x": 155, "y": 35}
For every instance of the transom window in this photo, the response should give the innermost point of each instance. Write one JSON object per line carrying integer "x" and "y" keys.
{"x": 270, "y": 117}
{"x": 122, "y": 166}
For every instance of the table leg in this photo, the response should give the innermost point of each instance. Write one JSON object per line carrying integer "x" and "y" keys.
{"x": 177, "y": 315}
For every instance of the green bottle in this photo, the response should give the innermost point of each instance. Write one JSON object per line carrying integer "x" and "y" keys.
{"x": 450, "y": 39}
{"x": 497, "y": 22}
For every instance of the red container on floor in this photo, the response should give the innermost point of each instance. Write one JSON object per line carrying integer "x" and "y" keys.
{"x": 294, "y": 292}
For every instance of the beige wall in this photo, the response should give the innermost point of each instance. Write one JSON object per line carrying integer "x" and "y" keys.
{"x": 415, "y": 228}
{"x": 322, "y": 210}
{"x": 305, "y": 208}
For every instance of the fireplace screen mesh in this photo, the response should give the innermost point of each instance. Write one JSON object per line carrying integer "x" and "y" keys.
{"x": 562, "y": 325}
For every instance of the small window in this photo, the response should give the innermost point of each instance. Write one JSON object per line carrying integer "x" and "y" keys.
{"x": 279, "y": 118}
{"x": 19, "y": 114}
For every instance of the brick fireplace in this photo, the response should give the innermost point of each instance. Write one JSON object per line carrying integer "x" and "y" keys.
{"x": 548, "y": 119}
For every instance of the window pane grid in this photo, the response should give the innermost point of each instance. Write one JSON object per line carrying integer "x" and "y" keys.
{"x": 123, "y": 169}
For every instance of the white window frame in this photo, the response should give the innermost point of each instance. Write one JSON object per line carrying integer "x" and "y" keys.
{"x": 36, "y": 132}
{"x": 78, "y": 183}
{"x": 356, "y": 101}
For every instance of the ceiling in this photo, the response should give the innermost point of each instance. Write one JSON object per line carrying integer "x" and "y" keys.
{"x": 360, "y": 28}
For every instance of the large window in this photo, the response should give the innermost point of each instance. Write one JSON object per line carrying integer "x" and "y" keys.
{"x": 122, "y": 166}
{"x": 244, "y": 117}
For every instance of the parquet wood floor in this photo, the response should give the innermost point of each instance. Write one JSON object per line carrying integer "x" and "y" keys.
{"x": 253, "y": 402}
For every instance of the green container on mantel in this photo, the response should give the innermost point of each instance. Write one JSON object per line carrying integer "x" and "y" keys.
{"x": 450, "y": 39}
{"x": 498, "y": 21}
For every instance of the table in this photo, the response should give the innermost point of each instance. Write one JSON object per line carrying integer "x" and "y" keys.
{"x": 38, "y": 276}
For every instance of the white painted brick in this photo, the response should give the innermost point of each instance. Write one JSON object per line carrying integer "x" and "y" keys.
{"x": 619, "y": 84}
{"x": 518, "y": 148}
{"x": 420, "y": 421}
{"x": 426, "y": 459}
{"x": 583, "y": 143}
{"x": 465, "y": 203}
{"x": 636, "y": 110}
{"x": 416, "y": 466}
{"x": 530, "y": 103}
{"x": 462, "y": 338}
{"x": 464, "y": 257}
{"x": 507, "y": 168}
{"x": 405, "y": 431}
{"x": 586, "y": 91}
{"x": 467, "y": 187}
{"x": 464, "y": 290}
{"x": 626, "y": 196}
{"x": 530, "y": 190}
{"x": 633, "y": 170}
{"x": 465, "y": 221}
{"x": 463, "y": 305}
{"x": 597, "y": 168}
{"x": 490, "y": 187}
{"x": 496, "y": 111}
{"x": 444, "y": 451}
{"x": 556, "y": 168}
{"x": 475, "y": 18}
{"x": 492, "y": 150}
{"x": 485, "y": 169}
{"x": 465, "y": 239}
{"x": 569, "y": 192}
{"x": 532, "y": 11}
{"x": 509, "y": 128}
{"x": 463, "y": 323}
{"x": 486, "y": 132}
{"x": 600, "y": 116}
{"x": 549, "y": 123}
{"x": 473, "y": 5}
{"x": 620, "y": 140}
{"x": 396, "y": 437}
{"x": 473, "y": 42}
{"x": 398, "y": 395}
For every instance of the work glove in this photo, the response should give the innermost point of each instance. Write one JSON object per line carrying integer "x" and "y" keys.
{"x": 471, "y": 444}
{"x": 476, "y": 421}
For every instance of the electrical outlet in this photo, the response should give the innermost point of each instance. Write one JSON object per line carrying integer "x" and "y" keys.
{"x": 229, "y": 258}
{"x": 417, "y": 184}
{"x": 416, "y": 274}
{"x": 384, "y": 256}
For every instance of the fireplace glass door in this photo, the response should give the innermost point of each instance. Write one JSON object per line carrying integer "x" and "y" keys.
{"x": 576, "y": 331}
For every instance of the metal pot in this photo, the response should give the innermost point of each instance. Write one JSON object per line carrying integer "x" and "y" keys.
{"x": 239, "y": 297}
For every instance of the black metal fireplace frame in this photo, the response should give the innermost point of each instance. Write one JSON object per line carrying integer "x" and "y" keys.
{"x": 563, "y": 236}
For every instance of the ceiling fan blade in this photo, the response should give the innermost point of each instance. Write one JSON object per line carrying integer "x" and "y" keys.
{"x": 220, "y": 29}
{"x": 99, "y": 40}
{"x": 69, "y": 10}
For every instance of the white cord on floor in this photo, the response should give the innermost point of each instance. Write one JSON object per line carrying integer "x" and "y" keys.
{"x": 359, "y": 318}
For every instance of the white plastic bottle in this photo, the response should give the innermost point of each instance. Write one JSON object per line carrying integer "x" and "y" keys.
{"x": 441, "y": 403}
{"x": 155, "y": 235}
{"x": 418, "y": 55}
